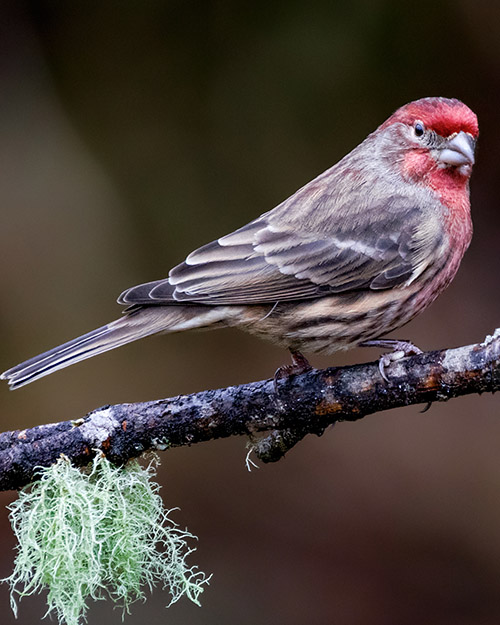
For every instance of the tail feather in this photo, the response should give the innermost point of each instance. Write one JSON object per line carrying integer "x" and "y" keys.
{"x": 57, "y": 358}
{"x": 136, "y": 324}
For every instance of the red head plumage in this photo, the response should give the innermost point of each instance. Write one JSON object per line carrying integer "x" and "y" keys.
{"x": 446, "y": 116}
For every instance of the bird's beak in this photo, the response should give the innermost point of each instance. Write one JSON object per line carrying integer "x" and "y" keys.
{"x": 458, "y": 151}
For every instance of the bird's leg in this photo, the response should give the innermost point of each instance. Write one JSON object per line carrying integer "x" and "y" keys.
{"x": 400, "y": 349}
{"x": 299, "y": 365}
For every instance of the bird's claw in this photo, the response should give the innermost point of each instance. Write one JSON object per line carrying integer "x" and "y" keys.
{"x": 299, "y": 365}
{"x": 401, "y": 349}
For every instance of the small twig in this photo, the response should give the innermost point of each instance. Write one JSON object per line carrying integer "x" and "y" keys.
{"x": 304, "y": 404}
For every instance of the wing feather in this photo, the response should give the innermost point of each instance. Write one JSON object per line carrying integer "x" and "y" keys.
{"x": 272, "y": 259}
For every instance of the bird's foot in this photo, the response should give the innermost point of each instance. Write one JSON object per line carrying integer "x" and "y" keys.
{"x": 299, "y": 365}
{"x": 400, "y": 349}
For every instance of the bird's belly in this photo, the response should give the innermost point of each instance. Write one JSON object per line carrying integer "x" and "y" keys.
{"x": 337, "y": 322}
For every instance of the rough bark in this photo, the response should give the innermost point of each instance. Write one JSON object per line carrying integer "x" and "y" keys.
{"x": 274, "y": 419}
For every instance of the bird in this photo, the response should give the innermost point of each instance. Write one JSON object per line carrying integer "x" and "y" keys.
{"x": 354, "y": 254}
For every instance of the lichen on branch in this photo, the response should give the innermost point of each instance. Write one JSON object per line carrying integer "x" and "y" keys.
{"x": 101, "y": 533}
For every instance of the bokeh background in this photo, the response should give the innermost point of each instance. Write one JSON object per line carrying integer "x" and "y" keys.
{"x": 133, "y": 132}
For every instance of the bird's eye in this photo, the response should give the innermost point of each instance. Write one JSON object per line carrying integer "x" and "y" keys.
{"x": 419, "y": 129}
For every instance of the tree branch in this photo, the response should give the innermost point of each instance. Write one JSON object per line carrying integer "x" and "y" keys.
{"x": 304, "y": 404}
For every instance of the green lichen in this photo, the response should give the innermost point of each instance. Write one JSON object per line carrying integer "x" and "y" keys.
{"x": 99, "y": 534}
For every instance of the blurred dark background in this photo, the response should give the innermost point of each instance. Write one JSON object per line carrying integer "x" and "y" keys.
{"x": 133, "y": 132}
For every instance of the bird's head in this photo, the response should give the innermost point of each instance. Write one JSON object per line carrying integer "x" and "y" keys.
{"x": 438, "y": 138}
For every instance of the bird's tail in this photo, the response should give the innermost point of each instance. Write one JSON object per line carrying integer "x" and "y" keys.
{"x": 135, "y": 324}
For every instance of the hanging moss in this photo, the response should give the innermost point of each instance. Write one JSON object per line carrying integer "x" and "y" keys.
{"x": 98, "y": 534}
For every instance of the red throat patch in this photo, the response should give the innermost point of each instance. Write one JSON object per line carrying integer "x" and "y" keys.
{"x": 447, "y": 183}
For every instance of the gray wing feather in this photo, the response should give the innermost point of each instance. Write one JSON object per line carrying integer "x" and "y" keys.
{"x": 271, "y": 259}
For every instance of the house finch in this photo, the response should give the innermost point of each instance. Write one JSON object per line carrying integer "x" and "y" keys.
{"x": 352, "y": 255}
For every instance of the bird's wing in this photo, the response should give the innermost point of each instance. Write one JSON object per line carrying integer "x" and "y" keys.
{"x": 268, "y": 260}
